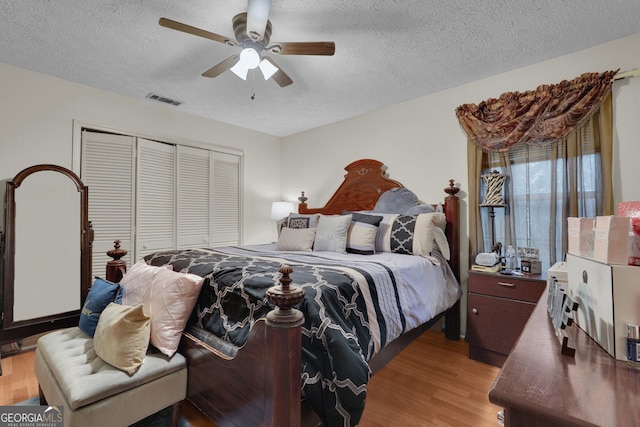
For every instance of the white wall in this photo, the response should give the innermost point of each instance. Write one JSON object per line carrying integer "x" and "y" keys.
{"x": 38, "y": 113}
{"x": 423, "y": 145}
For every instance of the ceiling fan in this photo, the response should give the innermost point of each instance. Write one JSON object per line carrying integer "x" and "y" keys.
{"x": 253, "y": 34}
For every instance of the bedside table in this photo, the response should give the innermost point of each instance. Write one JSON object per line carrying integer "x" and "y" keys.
{"x": 498, "y": 306}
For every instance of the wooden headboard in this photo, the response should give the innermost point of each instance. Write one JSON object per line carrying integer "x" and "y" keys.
{"x": 363, "y": 185}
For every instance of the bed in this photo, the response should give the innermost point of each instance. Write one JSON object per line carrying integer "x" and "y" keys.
{"x": 257, "y": 352}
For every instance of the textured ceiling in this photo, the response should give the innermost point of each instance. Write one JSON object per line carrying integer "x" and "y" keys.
{"x": 386, "y": 51}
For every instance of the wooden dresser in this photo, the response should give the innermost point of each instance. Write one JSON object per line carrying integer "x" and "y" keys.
{"x": 498, "y": 307}
{"x": 538, "y": 386}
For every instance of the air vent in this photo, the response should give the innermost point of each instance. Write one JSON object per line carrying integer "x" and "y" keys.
{"x": 163, "y": 99}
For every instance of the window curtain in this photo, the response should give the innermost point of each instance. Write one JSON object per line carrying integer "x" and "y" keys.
{"x": 555, "y": 146}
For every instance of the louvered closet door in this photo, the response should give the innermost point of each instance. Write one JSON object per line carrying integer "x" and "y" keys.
{"x": 226, "y": 199}
{"x": 194, "y": 197}
{"x": 156, "y": 197}
{"x": 107, "y": 168}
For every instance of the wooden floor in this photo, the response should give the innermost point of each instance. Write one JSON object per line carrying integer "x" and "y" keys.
{"x": 431, "y": 383}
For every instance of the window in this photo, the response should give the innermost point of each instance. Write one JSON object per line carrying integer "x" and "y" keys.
{"x": 538, "y": 186}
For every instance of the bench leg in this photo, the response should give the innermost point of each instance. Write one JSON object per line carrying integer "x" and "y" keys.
{"x": 43, "y": 400}
{"x": 175, "y": 414}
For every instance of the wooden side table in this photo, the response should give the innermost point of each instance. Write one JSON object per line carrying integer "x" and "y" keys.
{"x": 498, "y": 307}
{"x": 539, "y": 387}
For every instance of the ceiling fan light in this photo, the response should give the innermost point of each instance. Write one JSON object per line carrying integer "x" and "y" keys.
{"x": 268, "y": 69}
{"x": 240, "y": 70}
{"x": 250, "y": 58}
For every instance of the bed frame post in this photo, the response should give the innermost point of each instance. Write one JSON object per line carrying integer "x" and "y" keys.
{"x": 284, "y": 331}
{"x": 452, "y": 212}
{"x": 116, "y": 267}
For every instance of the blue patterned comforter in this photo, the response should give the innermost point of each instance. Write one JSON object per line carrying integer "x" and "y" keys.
{"x": 351, "y": 310}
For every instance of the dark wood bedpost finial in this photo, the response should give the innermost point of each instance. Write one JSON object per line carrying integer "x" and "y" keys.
{"x": 284, "y": 297}
{"x": 303, "y": 203}
{"x": 452, "y": 190}
{"x": 116, "y": 267}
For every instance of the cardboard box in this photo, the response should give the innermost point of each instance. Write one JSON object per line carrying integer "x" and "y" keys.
{"x": 531, "y": 266}
{"x": 611, "y": 243}
{"x": 608, "y": 297}
{"x": 581, "y": 236}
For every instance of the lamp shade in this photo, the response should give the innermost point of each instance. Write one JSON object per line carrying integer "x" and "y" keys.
{"x": 281, "y": 209}
{"x": 494, "y": 182}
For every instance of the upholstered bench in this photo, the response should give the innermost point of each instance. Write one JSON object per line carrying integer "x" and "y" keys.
{"x": 94, "y": 393}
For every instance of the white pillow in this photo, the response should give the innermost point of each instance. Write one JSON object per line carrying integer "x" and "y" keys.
{"x": 168, "y": 298}
{"x": 296, "y": 239}
{"x": 332, "y": 232}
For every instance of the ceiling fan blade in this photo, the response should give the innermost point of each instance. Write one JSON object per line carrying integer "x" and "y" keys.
{"x": 280, "y": 76}
{"x": 257, "y": 16}
{"x": 179, "y": 26}
{"x": 302, "y": 48}
{"x": 222, "y": 66}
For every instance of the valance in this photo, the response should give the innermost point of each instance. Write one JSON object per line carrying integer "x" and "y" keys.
{"x": 540, "y": 117}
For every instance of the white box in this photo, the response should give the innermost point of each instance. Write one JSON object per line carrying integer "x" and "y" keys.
{"x": 612, "y": 239}
{"x": 608, "y": 298}
{"x": 559, "y": 271}
{"x": 581, "y": 235}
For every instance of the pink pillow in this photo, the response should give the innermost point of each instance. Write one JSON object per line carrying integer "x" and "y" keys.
{"x": 167, "y": 297}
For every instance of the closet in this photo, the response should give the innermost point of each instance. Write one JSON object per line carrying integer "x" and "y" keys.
{"x": 153, "y": 195}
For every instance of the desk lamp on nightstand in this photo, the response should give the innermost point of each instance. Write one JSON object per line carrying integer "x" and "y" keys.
{"x": 494, "y": 182}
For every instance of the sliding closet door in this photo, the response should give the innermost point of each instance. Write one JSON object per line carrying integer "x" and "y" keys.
{"x": 156, "y": 197}
{"x": 108, "y": 169}
{"x": 226, "y": 199}
{"x": 194, "y": 197}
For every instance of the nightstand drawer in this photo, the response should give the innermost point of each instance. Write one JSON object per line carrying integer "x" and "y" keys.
{"x": 519, "y": 288}
{"x": 495, "y": 323}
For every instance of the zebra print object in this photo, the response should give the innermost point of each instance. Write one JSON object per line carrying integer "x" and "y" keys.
{"x": 493, "y": 186}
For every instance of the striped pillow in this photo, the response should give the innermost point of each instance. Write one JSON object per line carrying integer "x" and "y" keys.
{"x": 361, "y": 238}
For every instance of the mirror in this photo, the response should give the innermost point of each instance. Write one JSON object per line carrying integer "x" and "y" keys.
{"x": 46, "y": 251}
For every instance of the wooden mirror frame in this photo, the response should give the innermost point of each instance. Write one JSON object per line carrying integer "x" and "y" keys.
{"x": 16, "y": 330}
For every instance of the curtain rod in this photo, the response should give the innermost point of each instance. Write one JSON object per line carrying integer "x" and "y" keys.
{"x": 626, "y": 74}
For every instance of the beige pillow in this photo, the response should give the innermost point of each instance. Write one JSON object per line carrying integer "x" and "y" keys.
{"x": 122, "y": 336}
{"x": 296, "y": 239}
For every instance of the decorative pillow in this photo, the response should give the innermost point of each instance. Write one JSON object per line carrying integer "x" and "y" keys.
{"x": 102, "y": 292}
{"x": 362, "y": 233}
{"x": 331, "y": 234}
{"x": 384, "y": 231}
{"x": 420, "y": 209}
{"x": 413, "y": 234}
{"x": 295, "y": 220}
{"x": 136, "y": 281}
{"x": 296, "y": 239}
{"x": 122, "y": 336}
{"x": 168, "y": 298}
{"x": 396, "y": 200}
{"x": 281, "y": 223}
